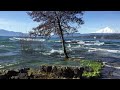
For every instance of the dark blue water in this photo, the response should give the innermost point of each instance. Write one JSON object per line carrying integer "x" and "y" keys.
{"x": 39, "y": 51}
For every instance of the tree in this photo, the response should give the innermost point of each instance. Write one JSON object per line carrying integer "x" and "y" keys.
{"x": 57, "y": 22}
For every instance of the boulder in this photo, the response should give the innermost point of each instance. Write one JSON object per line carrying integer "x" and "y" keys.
{"x": 43, "y": 68}
{"x": 9, "y": 74}
{"x": 22, "y": 76}
{"x": 25, "y": 70}
{"x": 14, "y": 77}
{"x": 76, "y": 73}
{"x": 68, "y": 72}
{"x": 49, "y": 69}
{"x": 59, "y": 72}
{"x": 54, "y": 69}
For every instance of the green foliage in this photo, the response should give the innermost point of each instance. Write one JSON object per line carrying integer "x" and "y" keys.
{"x": 96, "y": 66}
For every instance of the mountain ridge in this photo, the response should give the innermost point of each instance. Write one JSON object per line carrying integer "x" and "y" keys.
{"x": 4, "y": 32}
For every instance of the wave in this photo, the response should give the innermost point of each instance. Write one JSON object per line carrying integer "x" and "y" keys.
{"x": 81, "y": 42}
{"x": 26, "y": 39}
{"x": 53, "y": 51}
{"x": 112, "y": 66}
{"x": 69, "y": 46}
{"x": 58, "y": 41}
{"x": 56, "y": 51}
{"x": 78, "y": 46}
{"x": 104, "y": 50}
{"x": 1, "y": 66}
{"x": 8, "y": 54}
{"x": 1, "y": 46}
{"x": 105, "y": 64}
{"x": 94, "y": 43}
{"x": 8, "y": 64}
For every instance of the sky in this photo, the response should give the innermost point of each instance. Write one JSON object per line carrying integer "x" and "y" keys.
{"x": 19, "y": 21}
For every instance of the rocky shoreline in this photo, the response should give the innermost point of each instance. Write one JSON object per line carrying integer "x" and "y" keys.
{"x": 47, "y": 72}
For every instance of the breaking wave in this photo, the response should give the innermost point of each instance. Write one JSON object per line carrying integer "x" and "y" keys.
{"x": 26, "y": 39}
{"x": 2, "y": 46}
{"x": 53, "y": 51}
{"x": 104, "y": 50}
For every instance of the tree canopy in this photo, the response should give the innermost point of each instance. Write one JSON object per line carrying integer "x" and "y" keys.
{"x": 57, "y": 22}
{"x": 49, "y": 21}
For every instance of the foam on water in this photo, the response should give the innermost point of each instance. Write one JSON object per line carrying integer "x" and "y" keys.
{"x": 81, "y": 42}
{"x": 78, "y": 46}
{"x": 52, "y": 52}
{"x": 57, "y": 41}
{"x": 1, "y": 67}
{"x": 69, "y": 46}
{"x": 115, "y": 67}
{"x": 112, "y": 66}
{"x": 56, "y": 51}
{"x": 2, "y": 46}
{"x": 104, "y": 50}
{"x": 94, "y": 43}
{"x": 26, "y": 39}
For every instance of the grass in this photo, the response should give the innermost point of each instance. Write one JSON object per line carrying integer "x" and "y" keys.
{"x": 94, "y": 65}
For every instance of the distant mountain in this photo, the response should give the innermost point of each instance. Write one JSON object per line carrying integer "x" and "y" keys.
{"x": 105, "y": 30}
{"x": 10, "y": 33}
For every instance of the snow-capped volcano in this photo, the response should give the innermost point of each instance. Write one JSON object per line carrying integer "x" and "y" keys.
{"x": 105, "y": 30}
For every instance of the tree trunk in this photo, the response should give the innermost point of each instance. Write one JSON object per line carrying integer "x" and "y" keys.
{"x": 63, "y": 41}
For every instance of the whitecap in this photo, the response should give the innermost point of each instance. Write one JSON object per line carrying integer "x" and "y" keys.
{"x": 112, "y": 66}
{"x": 26, "y": 39}
{"x": 1, "y": 46}
{"x": 56, "y": 51}
{"x": 78, "y": 46}
{"x": 68, "y": 41}
{"x": 105, "y": 64}
{"x": 94, "y": 43}
{"x": 58, "y": 41}
{"x": 1, "y": 66}
{"x": 81, "y": 42}
{"x": 69, "y": 46}
{"x": 9, "y": 64}
{"x": 104, "y": 50}
{"x": 52, "y": 52}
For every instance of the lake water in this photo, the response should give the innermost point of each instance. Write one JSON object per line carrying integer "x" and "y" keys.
{"x": 49, "y": 51}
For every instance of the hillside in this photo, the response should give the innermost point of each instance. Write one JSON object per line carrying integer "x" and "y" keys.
{"x": 9, "y": 33}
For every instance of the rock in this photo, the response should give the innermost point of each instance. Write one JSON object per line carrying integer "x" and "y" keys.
{"x": 11, "y": 73}
{"x": 8, "y": 74}
{"x": 25, "y": 70}
{"x": 14, "y": 77}
{"x": 54, "y": 69}
{"x": 51, "y": 72}
{"x": 81, "y": 70}
{"x": 23, "y": 76}
{"x": 49, "y": 68}
{"x": 43, "y": 68}
{"x": 76, "y": 73}
{"x": 40, "y": 69}
{"x": 68, "y": 72}
{"x": 36, "y": 76}
{"x": 59, "y": 72}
